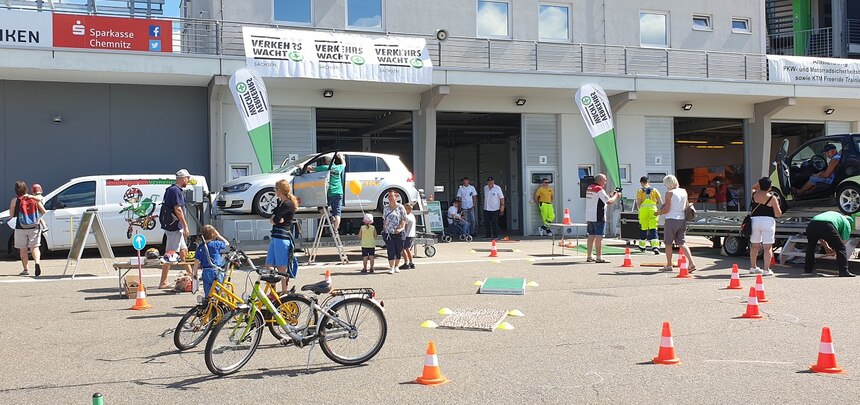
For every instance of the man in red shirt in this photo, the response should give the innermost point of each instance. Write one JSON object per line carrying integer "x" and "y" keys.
{"x": 721, "y": 193}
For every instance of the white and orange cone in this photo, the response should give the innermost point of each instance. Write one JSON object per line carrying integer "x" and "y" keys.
{"x": 759, "y": 289}
{"x": 666, "y": 355}
{"x": 735, "y": 282}
{"x": 628, "y": 262}
{"x": 566, "y": 219}
{"x": 493, "y": 251}
{"x": 752, "y": 306}
{"x": 141, "y": 303}
{"x": 683, "y": 271}
{"x": 432, "y": 374}
{"x": 826, "y": 357}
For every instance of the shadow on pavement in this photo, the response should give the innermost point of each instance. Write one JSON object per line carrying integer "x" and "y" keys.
{"x": 167, "y": 315}
{"x": 111, "y": 293}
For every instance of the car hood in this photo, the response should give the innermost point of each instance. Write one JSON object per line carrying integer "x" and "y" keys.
{"x": 265, "y": 179}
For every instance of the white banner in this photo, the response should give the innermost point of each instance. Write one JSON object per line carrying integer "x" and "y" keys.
{"x": 325, "y": 55}
{"x": 249, "y": 93}
{"x": 595, "y": 109}
{"x": 805, "y": 70}
{"x": 26, "y": 28}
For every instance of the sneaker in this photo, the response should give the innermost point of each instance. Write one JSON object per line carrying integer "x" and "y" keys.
{"x": 405, "y": 266}
{"x": 195, "y": 285}
{"x": 397, "y": 269}
{"x": 38, "y": 270}
{"x": 755, "y": 270}
{"x": 363, "y": 271}
{"x": 642, "y": 249}
{"x": 412, "y": 266}
{"x": 24, "y": 273}
{"x": 767, "y": 272}
{"x": 391, "y": 270}
{"x": 656, "y": 251}
{"x": 666, "y": 268}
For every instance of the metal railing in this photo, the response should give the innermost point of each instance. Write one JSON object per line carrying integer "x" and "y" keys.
{"x": 815, "y": 42}
{"x": 105, "y": 7}
{"x": 224, "y": 38}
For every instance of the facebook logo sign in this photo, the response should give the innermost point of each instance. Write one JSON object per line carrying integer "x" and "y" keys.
{"x": 154, "y": 31}
{"x": 155, "y": 45}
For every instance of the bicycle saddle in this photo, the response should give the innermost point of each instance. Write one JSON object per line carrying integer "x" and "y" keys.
{"x": 271, "y": 278}
{"x": 318, "y": 288}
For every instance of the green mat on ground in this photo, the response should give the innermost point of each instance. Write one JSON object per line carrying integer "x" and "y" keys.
{"x": 507, "y": 286}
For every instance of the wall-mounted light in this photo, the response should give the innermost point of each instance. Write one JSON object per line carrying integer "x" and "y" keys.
{"x": 520, "y": 102}
{"x": 829, "y": 111}
{"x": 687, "y": 107}
{"x": 328, "y": 93}
{"x": 57, "y": 119}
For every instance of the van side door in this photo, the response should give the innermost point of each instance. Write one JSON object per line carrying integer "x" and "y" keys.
{"x": 66, "y": 209}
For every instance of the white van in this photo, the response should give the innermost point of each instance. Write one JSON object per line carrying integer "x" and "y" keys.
{"x": 127, "y": 204}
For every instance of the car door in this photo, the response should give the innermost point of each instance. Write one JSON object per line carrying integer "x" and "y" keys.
{"x": 781, "y": 167}
{"x": 66, "y": 209}
{"x": 363, "y": 169}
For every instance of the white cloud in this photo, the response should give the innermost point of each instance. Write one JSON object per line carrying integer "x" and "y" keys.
{"x": 492, "y": 19}
{"x": 652, "y": 29}
{"x": 554, "y": 23}
{"x": 368, "y": 22}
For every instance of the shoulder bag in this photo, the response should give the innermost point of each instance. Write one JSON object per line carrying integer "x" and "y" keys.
{"x": 746, "y": 225}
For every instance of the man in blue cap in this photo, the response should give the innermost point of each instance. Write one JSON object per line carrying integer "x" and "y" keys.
{"x": 825, "y": 176}
{"x": 832, "y": 229}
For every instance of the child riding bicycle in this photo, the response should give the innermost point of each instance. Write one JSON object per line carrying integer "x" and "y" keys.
{"x": 208, "y": 257}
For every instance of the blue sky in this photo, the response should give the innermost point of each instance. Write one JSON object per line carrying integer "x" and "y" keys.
{"x": 171, "y": 8}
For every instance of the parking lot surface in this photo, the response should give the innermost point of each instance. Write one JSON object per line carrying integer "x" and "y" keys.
{"x": 588, "y": 335}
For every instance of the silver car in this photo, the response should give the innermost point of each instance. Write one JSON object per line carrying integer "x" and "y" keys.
{"x": 377, "y": 173}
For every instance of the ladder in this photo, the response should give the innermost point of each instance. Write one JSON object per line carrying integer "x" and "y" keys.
{"x": 325, "y": 223}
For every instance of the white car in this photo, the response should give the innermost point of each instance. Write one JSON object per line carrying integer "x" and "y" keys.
{"x": 377, "y": 173}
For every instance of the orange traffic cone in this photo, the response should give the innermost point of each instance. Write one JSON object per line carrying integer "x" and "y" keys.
{"x": 627, "y": 261}
{"x": 772, "y": 261}
{"x": 735, "y": 282}
{"x": 682, "y": 265}
{"x": 141, "y": 303}
{"x": 759, "y": 289}
{"x": 667, "y": 348}
{"x": 826, "y": 358}
{"x": 566, "y": 220}
{"x": 752, "y": 306}
{"x": 328, "y": 276}
{"x": 493, "y": 251}
{"x": 432, "y": 374}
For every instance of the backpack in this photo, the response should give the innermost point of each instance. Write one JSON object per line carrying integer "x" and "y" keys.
{"x": 27, "y": 213}
{"x": 168, "y": 219}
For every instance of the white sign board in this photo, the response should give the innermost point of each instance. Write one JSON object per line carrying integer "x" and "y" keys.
{"x": 329, "y": 55}
{"x": 26, "y": 29}
{"x": 805, "y": 70}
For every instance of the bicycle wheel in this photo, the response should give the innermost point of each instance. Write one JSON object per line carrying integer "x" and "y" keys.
{"x": 297, "y": 311}
{"x": 360, "y": 341}
{"x": 233, "y": 342}
{"x": 195, "y": 325}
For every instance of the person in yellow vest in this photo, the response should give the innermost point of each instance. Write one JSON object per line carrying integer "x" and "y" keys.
{"x": 648, "y": 199}
{"x": 543, "y": 198}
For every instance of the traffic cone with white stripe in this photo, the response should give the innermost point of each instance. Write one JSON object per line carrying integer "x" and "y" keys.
{"x": 627, "y": 261}
{"x": 141, "y": 303}
{"x": 759, "y": 289}
{"x": 328, "y": 276}
{"x": 432, "y": 374}
{"x": 666, "y": 355}
{"x": 752, "y": 306}
{"x": 682, "y": 265}
{"x": 566, "y": 219}
{"x": 826, "y": 358}
{"x": 735, "y": 282}
{"x": 493, "y": 251}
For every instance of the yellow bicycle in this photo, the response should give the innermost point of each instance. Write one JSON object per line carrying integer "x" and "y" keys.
{"x": 198, "y": 321}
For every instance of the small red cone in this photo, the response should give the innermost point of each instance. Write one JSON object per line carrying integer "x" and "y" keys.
{"x": 735, "y": 282}
{"x": 752, "y": 306}
{"x": 759, "y": 289}
{"x": 772, "y": 261}
{"x": 628, "y": 262}
{"x": 666, "y": 355}
{"x": 682, "y": 265}
{"x": 826, "y": 357}
{"x": 432, "y": 374}
{"x": 141, "y": 303}
{"x": 566, "y": 220}
{"x": 493, "y": 251}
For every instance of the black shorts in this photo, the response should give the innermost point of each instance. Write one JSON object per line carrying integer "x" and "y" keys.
{"x": 365, "y": 252}
{"x": 407, "y": 244}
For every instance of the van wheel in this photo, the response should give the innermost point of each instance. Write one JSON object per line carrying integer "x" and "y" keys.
{"x": 735, "y": 246}
{"x": 383, "y": 199}
{"x": 848, "y": 198}
{"x": 265, "y": 202}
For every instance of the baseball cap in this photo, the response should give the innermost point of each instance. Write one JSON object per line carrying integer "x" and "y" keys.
{"x": 643, "y": 179}
{"x": 490, "y": 178}
{"x": 828, "y": 147}
{"x": 183, "y": 173}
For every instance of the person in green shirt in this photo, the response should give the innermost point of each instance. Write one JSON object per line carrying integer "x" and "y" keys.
{"x": 832, "y": 229}
{"x": 335, "y": 185}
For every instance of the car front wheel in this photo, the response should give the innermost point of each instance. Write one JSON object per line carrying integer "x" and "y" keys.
{"x": 265, "y": 202}
{"x": 383, "y": 199}
{"x": 848, "y": 199}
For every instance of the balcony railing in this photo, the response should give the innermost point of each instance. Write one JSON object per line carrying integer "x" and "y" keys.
{"x": 104, "y": 7}
{"x": 224, "y": 38}
{"x": 815, "y": 42}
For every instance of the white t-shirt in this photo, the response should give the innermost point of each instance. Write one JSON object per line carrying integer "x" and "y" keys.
{"x": 493, "y": 198}
{"x": 595, "y": 203}
{"x": 679, "y": 204}
{"x": 452, "y": 212}
{"x": 410, "y": 225}
{"x": 466, "y": 193}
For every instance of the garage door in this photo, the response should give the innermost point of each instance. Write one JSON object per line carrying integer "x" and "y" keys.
{"x": 541, "y": 156}
{"x": 837, "y": 127}
{"x": 293, "y": 133}
{"x": 659, "y": 149}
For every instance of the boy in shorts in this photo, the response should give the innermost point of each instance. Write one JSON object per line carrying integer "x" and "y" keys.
{"x": 409, "y": 232}
{"x": 367, "y": 234}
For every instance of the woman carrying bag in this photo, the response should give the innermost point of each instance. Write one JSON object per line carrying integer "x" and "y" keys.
{"x": 763, "y": 225}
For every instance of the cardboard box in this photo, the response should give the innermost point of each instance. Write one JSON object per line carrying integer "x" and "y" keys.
{"x": 130, "y": 286}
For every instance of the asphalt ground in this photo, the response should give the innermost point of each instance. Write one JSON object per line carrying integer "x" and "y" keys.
{"x": 588, "y": 335}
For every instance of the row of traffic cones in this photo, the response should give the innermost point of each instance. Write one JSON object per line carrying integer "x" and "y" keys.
{"x": 826, "y": 357}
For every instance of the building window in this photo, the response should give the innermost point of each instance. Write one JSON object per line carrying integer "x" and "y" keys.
{"x": 554, "y": 23}
{"x": 585, "y": 170}
{"x": 624, "y": 171}
{"x": 702, "y": 22}
{"x": 654, "y": 29}
{"x": 293, "y": 11}
{"x": 364, "y": 14}
{"x": 493, "y": 19}
{"x": 239, "y": 170}
{"x": 741, "y": 25}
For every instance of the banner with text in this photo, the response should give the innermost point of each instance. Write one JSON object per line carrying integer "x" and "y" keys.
{"x": 325, "y": 55}
{"x": 805, "y": 70}
{"x": 26, "y": 29}
{"x": 112, "y": 33}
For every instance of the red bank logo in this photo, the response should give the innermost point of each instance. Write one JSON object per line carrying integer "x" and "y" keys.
{"x": 132, "y": 34}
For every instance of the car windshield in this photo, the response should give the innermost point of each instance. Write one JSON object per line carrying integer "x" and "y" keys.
{"x": 294, "y": 164}
{"x": 813, "y": 149}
